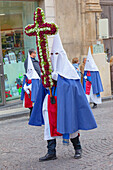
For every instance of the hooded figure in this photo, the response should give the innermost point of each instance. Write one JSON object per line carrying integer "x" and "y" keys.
{"x": 70, "y": 113}
{"x": 30, "y": 85}
{"x": 92, "y": 82}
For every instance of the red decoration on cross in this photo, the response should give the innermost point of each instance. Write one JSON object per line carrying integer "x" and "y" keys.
{"x": 41, "y": 29}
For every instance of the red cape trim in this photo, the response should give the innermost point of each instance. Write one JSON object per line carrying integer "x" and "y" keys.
{"x": 52, "y": 113}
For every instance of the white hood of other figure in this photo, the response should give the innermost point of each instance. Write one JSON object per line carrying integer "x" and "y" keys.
{"x": 90, "y": 63}
{"x": 60, "y": 63}
{"x": 31, "y": 72}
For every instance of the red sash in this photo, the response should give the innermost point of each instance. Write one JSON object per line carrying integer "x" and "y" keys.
{"x": 52, "y": 113}
{"x": 28, "y": 102}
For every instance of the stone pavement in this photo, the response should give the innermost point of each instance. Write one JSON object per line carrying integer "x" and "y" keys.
{"x": 22, "y": 145}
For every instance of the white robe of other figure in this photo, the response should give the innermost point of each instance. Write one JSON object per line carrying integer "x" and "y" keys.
{"x": 91, "y": 66}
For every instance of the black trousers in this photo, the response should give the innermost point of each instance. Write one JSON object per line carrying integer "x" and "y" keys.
{"x": 51, "y": 145}
{"x": 31, "y": 108}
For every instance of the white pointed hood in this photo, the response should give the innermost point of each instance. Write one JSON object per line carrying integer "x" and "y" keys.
{"x": 61, "y": 64}
{"x": 90, "y": 63}
{"x": 31, "y": 72}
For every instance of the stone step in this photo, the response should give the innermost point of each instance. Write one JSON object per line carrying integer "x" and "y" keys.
{"x": 11, "y": 113}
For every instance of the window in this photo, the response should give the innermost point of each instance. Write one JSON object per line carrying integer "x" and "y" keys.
{"x": 14, "y": 16}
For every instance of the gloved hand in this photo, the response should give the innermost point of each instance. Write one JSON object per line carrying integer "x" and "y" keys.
{"x": 27, "y": 89}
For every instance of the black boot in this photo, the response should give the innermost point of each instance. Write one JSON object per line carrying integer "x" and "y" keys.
{"x": 77, "y": 147}
{"x": 94, "y": 106}
{"x": 51, "y": 155}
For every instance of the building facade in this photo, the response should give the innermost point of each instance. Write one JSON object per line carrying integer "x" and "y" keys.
{"x": 78, "y": 26}
{"x": 107, "y": 12}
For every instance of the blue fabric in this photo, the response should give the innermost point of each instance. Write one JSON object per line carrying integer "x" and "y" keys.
{"x": 66, "y": 139}
{"x": 76, "y": 66}
{"x": 22, "y": 92}
{"x": 89, "y": 78}
{"x": 73, "y": 110}
{"x": 84, "y": 81}
{"x": 98, "y": 95}
{"x": 36, "y": 118}
{"x": 96, "y": 82}
{"x": 34, "y": 89}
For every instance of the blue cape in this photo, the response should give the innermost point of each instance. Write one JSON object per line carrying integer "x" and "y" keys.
{"x": 23, "y": 92}
{"x": 36, "y": 118}
{"x": 34, "y": 89}
{"x": 73, "y": 110}
{"x": 96, "y": 82}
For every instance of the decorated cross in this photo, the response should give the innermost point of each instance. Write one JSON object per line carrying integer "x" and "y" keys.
{"x": 41, "y": 29}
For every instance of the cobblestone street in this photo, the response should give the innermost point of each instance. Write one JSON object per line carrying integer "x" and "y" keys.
{"x": 21, "y": 145}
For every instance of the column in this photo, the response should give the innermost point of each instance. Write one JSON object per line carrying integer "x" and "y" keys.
{"x": 92, "y": 12}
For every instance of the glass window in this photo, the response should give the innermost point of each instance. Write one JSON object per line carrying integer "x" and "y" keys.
{"x": 14, "y": 16}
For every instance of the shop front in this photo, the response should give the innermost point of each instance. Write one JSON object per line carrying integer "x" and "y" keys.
{"x": 14, "y": 45}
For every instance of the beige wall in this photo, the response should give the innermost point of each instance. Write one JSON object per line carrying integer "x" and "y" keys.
{"x": 77, "y": 21}
{"x": 68, "y": 18}
{"x": 104, "y": 69}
